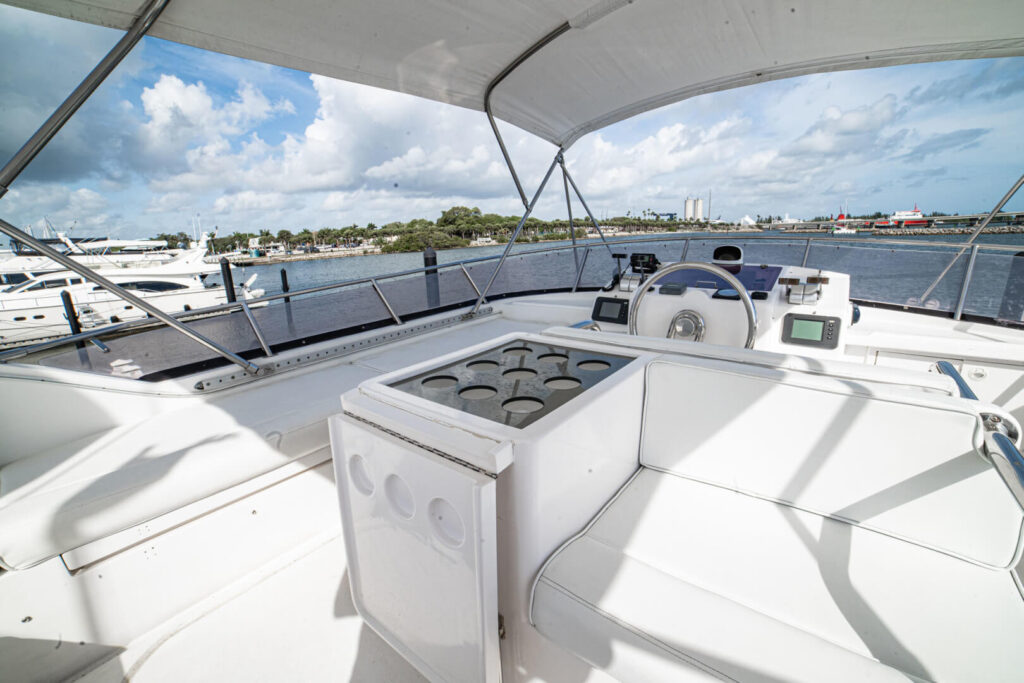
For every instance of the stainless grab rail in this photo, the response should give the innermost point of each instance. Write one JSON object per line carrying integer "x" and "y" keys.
{"x": 88, "y": 335}
{"x": 998, "y": 444}
{"x": 946, "y": 368}
{"x": 1008, "y": 453}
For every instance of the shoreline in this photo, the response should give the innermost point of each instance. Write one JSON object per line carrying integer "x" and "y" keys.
{"x": 245, "y": 261}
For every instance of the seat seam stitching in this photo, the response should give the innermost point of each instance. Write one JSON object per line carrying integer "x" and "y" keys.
{"x": 629, "y": 627}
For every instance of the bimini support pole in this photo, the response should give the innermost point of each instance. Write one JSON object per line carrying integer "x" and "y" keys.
{"x": 494, "y": 83}
{"x": 583, "y": 201}
{"x": 572, "y": 229}
{"x": 13, "y": 168}
{"x": 970, "y": 240}
{"x": 87, "y": 87}
{"x": 515, "y": 234}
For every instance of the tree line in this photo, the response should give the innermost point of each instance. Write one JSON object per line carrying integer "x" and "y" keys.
{"x": 455, "y": 227}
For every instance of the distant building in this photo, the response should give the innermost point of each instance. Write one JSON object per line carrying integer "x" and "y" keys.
{"x": 698, "y": 209}
{"x": 688, "y": 211}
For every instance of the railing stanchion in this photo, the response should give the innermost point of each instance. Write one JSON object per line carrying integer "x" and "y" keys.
{"x": 376, "y": 288}
{"x": 255, "y": 328}
{"x": 470, "y": 278}
{"x": 807, "y": 252}
{"x": 284, "y": 285}
{"x": 686, "y": 248}
{"x": 966, "y": 283}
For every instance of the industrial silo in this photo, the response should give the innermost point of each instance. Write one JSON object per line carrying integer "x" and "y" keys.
{"x": 698, "y": 209}
{"x": 688, "y": 213}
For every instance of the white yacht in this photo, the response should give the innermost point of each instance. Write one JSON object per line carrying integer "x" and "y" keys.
{"x": 98, "y": 254}
{"x": 34, "y": 309}
{"x": 676, "y": 459}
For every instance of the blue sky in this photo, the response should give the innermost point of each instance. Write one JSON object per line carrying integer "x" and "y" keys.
{"x": 176, "y": 132}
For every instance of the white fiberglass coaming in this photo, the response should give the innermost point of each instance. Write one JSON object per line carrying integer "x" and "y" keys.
{"x": 742, "y": 459}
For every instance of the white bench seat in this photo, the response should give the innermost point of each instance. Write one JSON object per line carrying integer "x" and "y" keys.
{"x": 678, "y": 580}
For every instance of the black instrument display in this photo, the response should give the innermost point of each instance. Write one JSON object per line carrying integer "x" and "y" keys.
{"x": 610, "y": 310}
{"x": 643, "y": 263}
{"x": 811, "y": 330}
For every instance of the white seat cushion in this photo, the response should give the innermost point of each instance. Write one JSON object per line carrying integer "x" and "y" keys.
{"x": 680, "y": 578}
{"x": 101, "y": 485}
{"x": 904, "y": 465}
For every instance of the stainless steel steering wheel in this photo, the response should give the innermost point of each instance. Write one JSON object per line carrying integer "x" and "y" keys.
{"x": 732, "y": 280}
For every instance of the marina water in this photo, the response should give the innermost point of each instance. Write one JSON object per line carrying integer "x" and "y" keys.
{"x": 894, "y": 274}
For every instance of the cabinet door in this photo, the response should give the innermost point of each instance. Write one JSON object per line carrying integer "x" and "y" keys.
{"x": 421, "y": 540}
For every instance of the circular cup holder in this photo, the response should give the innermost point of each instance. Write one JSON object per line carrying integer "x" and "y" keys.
{"x": 477, "y": 392}
{"x": 562, "y": 383}
{"x": 399, "y": 496}
{"x": 553, "y": 358}
{"x": 446, "y": 522}
{"x": 518, "y": 351}
{"x": 482, "y": 365}
{"x": 522, "y": 405}
{"x": 439, "y": 382}
{"x": 519, "y": 373}
{"x": 593, "y": 365}
{"x": 359, "y": 474}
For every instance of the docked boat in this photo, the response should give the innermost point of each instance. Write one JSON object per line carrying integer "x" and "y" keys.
{"x": 96, "y": 253}
{"x": 33, "y": 310}
{"x": 907, "y": 219}
{"x": 676, "y": 459}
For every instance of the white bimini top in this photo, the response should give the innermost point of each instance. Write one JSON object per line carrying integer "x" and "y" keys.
{"x": 616, "y": 58}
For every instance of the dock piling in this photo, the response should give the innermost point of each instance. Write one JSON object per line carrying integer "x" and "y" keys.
{"x": 284, "y": 285}
{"x": 229, "y": 283}
{"x": 71, "y": 315}
{"x": 433, "y": 286}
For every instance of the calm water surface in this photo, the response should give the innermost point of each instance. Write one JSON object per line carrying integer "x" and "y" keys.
{"x": 894, "y": 274}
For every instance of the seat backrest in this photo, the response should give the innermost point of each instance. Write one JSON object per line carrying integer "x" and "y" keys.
{"x": 902, "y": 463}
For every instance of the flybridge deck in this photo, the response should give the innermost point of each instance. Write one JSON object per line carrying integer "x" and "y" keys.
{"x": 670, "y": 521}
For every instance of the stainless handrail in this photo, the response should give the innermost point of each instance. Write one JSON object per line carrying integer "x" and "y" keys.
{"x": 19, "y": 352}
{"x": 1008, "y": 452}
{"x": 946, "y": 368}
